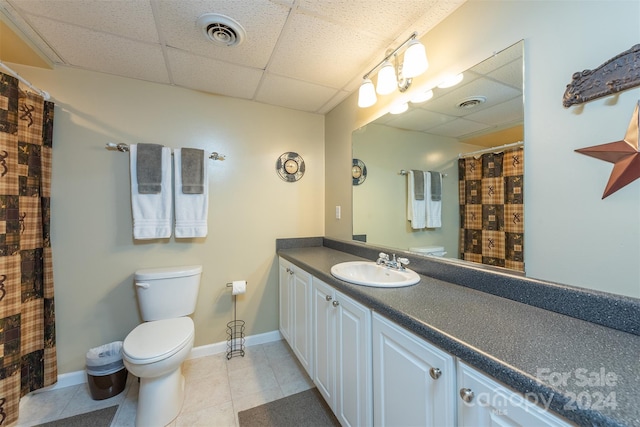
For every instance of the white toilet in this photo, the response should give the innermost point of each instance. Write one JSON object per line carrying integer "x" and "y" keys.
{"x": 429, "y": 250}
{"x": 154, "y": 350}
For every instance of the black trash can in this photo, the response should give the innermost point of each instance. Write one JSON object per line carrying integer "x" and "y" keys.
{"x": 106, "y": 374}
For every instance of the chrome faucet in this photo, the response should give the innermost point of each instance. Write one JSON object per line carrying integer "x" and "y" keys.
{"x": 382, "y": 258}
{"x": 396, "y": 263}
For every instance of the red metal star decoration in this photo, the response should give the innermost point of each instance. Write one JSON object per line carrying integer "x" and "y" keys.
{"x": 624, "y": 155}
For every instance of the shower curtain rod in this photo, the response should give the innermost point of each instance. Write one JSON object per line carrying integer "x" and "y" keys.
{"x": 492, "y": 149}
{"x": 42, "y": 93}
{"x": 124, "y": 148}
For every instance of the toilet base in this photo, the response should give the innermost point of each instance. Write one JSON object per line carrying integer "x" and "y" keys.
{"x": 160, "y": 399}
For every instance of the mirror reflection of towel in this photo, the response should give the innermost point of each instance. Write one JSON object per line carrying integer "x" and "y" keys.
{"x": 418, "y": 184}
{"x": 436, "y": 186}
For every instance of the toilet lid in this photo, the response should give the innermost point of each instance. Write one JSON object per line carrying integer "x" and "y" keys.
{"x": 157, "y": 340}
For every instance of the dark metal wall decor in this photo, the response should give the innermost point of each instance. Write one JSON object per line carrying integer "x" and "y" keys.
{"x": 290, "y": 166}
{"x": 619, "y": 73}
{"x": 358, "y": 171}
{"x": 624, "y": 154}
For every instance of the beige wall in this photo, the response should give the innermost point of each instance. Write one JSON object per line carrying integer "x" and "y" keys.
{"x": 379, "y": 203}
{"x": 250, "y": 206}
{"x": 572, "y": 236}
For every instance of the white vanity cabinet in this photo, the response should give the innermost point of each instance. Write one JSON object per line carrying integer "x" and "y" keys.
{"x": 342, "y": 371}
{"x": 295, "y": 312}
{"x": 413, "y": 381}
{"x": 482, "y": 402}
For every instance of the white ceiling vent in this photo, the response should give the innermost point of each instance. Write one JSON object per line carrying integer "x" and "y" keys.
{"x": 471, "y": 102}
{"x": 221, "y": 29}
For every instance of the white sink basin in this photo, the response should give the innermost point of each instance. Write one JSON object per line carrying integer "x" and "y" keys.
{"x": 368, "y": 273}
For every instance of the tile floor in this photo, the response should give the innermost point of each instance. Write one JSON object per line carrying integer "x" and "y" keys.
{"x": 216, "y": 390}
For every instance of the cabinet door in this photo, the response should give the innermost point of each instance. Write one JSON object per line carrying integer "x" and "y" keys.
{"x": 285, "y": 279}
{"x": 324, "y": 326}
{"x": 414, "y": 381}
{"x": 301, "y": 320}
{"x": 353, "y": 364}
{"x": 488, "y": 403}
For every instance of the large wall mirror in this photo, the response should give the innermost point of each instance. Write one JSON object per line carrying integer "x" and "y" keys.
{"x": 482, "y": 114}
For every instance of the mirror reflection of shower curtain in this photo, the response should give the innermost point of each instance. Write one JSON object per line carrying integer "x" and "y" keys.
{"x": 492, "y": 208}
{"x": 27, "y": 316}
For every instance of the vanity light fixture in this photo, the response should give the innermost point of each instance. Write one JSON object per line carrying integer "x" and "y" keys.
{"x": 394, "y": 75}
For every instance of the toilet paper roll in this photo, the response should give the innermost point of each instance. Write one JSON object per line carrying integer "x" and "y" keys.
{"x": 238, "y": 287}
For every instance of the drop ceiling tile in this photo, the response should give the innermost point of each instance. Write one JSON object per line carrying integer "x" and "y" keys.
{"x": 498, "y": 60}
{"x": 459, "y": 127}
{"x": 511, "y": 74}
{"x": 130, "y": 19}
{"x": 291, "y": 93}
{"x": 386, "y": 19}
{"x": 104, "y": 52}
{"x": 447, "y": 103}
{"x": 322, "y": 52}
{"x": 418, "y": 120}
{"x": 507, "y": 112}
{"x": 209, "y": 75}
{"x": 262, "y": 21}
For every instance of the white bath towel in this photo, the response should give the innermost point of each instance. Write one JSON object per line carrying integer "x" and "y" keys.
{"x": 416, "y": 209}
{"x": 191, "y": 209}
{"x": 151, "y": 212}
{"x": 433, "y": 207}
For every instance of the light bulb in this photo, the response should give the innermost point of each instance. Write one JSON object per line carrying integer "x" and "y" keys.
{"x": 387, "y": 81}
{"x": 366, "y": 94}
{"x": 415, "y": 60}
{"x": 422, "y": 97}
{"x": 399, "y": 108}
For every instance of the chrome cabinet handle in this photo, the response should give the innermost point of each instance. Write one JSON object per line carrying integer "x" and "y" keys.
{"x": 328, "y": 297}
{"x": 466, "y": 394}
{"x": 290, "y": 271}
{"x": 435, "y": 373}
{"x": 336, "y": 303}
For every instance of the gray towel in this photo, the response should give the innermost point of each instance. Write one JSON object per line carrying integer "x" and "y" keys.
{"x": 192, "y": 163}
{"x": 418, "y": 184}
{"x": 149, "y": 168}
{"x": 436, "y": 186}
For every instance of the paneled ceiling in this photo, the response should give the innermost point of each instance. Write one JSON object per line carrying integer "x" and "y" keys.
{"x": 307, "y": 55}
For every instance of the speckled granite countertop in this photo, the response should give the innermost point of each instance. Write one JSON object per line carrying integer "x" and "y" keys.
{"x": 516, "y": 343}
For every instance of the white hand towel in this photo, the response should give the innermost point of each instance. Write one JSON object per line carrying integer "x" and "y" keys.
{"x": 191, "y": 209}
{"x": 151, "y": 212}
{"x": 433, "y": 208}
{"x": 416, "y": 209}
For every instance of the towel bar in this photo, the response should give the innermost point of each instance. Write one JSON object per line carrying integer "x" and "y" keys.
{"x": 404, "y": 172}
{"x": 124, "y": 148}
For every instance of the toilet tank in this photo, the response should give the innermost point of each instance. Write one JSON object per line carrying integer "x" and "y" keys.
{"x": 167, "y": 292}
{"x": 429, "y": 250}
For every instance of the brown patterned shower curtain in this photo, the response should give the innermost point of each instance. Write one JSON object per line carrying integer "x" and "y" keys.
{"x": 27, "y": 319}
{"x": 492, "y": 208}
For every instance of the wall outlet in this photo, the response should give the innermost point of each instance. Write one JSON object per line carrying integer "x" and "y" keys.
{"x": 338, "y": 212}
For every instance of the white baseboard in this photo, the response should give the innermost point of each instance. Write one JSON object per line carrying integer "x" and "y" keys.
{"x": 80, "y": 377}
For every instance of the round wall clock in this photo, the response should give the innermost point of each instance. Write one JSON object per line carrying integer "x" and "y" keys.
{"x": 290, "y": 166}
{"x": 358, "y": 172}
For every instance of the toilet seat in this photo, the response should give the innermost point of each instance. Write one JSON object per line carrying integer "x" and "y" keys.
{"x": 152, "y": 341}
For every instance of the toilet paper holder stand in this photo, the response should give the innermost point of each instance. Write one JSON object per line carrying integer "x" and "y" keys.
{"x": 235, "y": 333}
